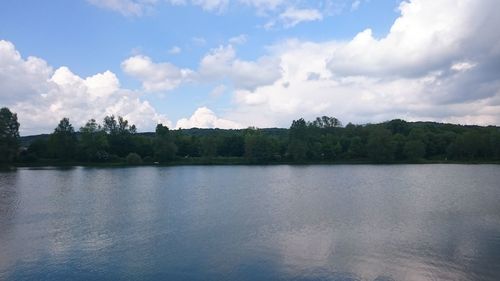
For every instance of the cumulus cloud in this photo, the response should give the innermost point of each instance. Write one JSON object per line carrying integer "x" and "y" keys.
{"x": 439, "y": 61}
{"x": 218, "y": 64}
{"x": 206, "y": 118}
{"x": 42, "y": 96}
{"x": 155, "y": 76}
{"x": 427, "y": 36}
{"x": 21, "y": 79}
{"x": 222, "y": 62}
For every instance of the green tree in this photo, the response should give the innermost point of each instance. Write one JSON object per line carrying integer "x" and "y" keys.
{"x": 209, "y": 146}
{"x": 331, "y": 147}
{"x": 420, "y": 134}
{"x": 259, "y": 148}
{"x": 62, "y": 142}
{"x": 414, "y": 150}
{"x": 455, "y": 149}
{"x": 326, "y": 122}
{"x": 231, "y": 146}
{"x": 399, "y": 142}
{"x": 298, "y": 130}
{"x": 438, "y": 142}
{"x": 39, "y": 148}
{"x": 380, "y": 146}
{"x": 165, "y": 148}
{"x": 9, "y": 135}
{"x": 398, "y": 126}
{"x": 93, "y": 142}
{"x": 188, "y": 146}
{"x": 143, "y": 146}
{"x": 495, "y": 144}
{"x": 356, "y": 149}
{"x": 298, "y": 135}
{"x": 472, "y": 144}
{"x": 133, "y": 159}
{"x": 466, "y": 146}
{"x": 297, "y": 150}
{"x": 113, "y": 126}
{"x": 120, "y": 135}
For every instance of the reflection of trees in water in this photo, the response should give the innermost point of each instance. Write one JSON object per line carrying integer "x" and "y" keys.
{"x": 9, "y": 200}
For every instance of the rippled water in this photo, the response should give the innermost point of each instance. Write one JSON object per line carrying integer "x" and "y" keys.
{"x": 404, "y": 222}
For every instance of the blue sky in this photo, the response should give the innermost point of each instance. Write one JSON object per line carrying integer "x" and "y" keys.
{"x": 222, "y": 63}
{"x": 68, "y": 32}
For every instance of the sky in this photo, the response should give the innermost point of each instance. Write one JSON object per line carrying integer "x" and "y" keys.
{"x": 241, "y": 63}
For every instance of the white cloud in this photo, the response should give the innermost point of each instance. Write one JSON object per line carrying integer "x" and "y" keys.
{"x": 20, "y": 79}
{"x": 222, "y": 63}
{"x": 288, "y": 14}
{"x": 438, "y": 62}
{"x": 463, "y": 66}
{"x": 155, "y": 76}
{"x": 218, "y": 91}
{"x": 219, "y": 64}
{"x": 427, "y": 36}
{"x": 175, "y": 50}
{"x": 125, "y": 7}
{"x": 293, "y": 16}
{"x": 41, "y": 96}
{"x": 206, "y": 118}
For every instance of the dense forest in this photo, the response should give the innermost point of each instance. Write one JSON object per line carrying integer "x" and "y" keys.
{"x": 324, "y": 140}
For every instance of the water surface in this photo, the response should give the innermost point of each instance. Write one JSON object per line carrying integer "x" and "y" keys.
{"x": 361, "y": 222}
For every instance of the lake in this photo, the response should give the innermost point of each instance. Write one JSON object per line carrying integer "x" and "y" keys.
{"x": 338, "y": 222}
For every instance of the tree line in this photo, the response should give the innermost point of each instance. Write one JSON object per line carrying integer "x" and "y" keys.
{"x": 323, "y": 140}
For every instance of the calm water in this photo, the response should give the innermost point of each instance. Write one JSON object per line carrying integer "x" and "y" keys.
{"x": 405, "y": 222}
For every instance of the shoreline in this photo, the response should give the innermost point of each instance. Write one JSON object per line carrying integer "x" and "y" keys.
{"x": 243, "y": 162}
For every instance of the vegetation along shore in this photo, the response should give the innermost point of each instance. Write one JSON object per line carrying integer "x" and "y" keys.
{"x": 115, "y": 142}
